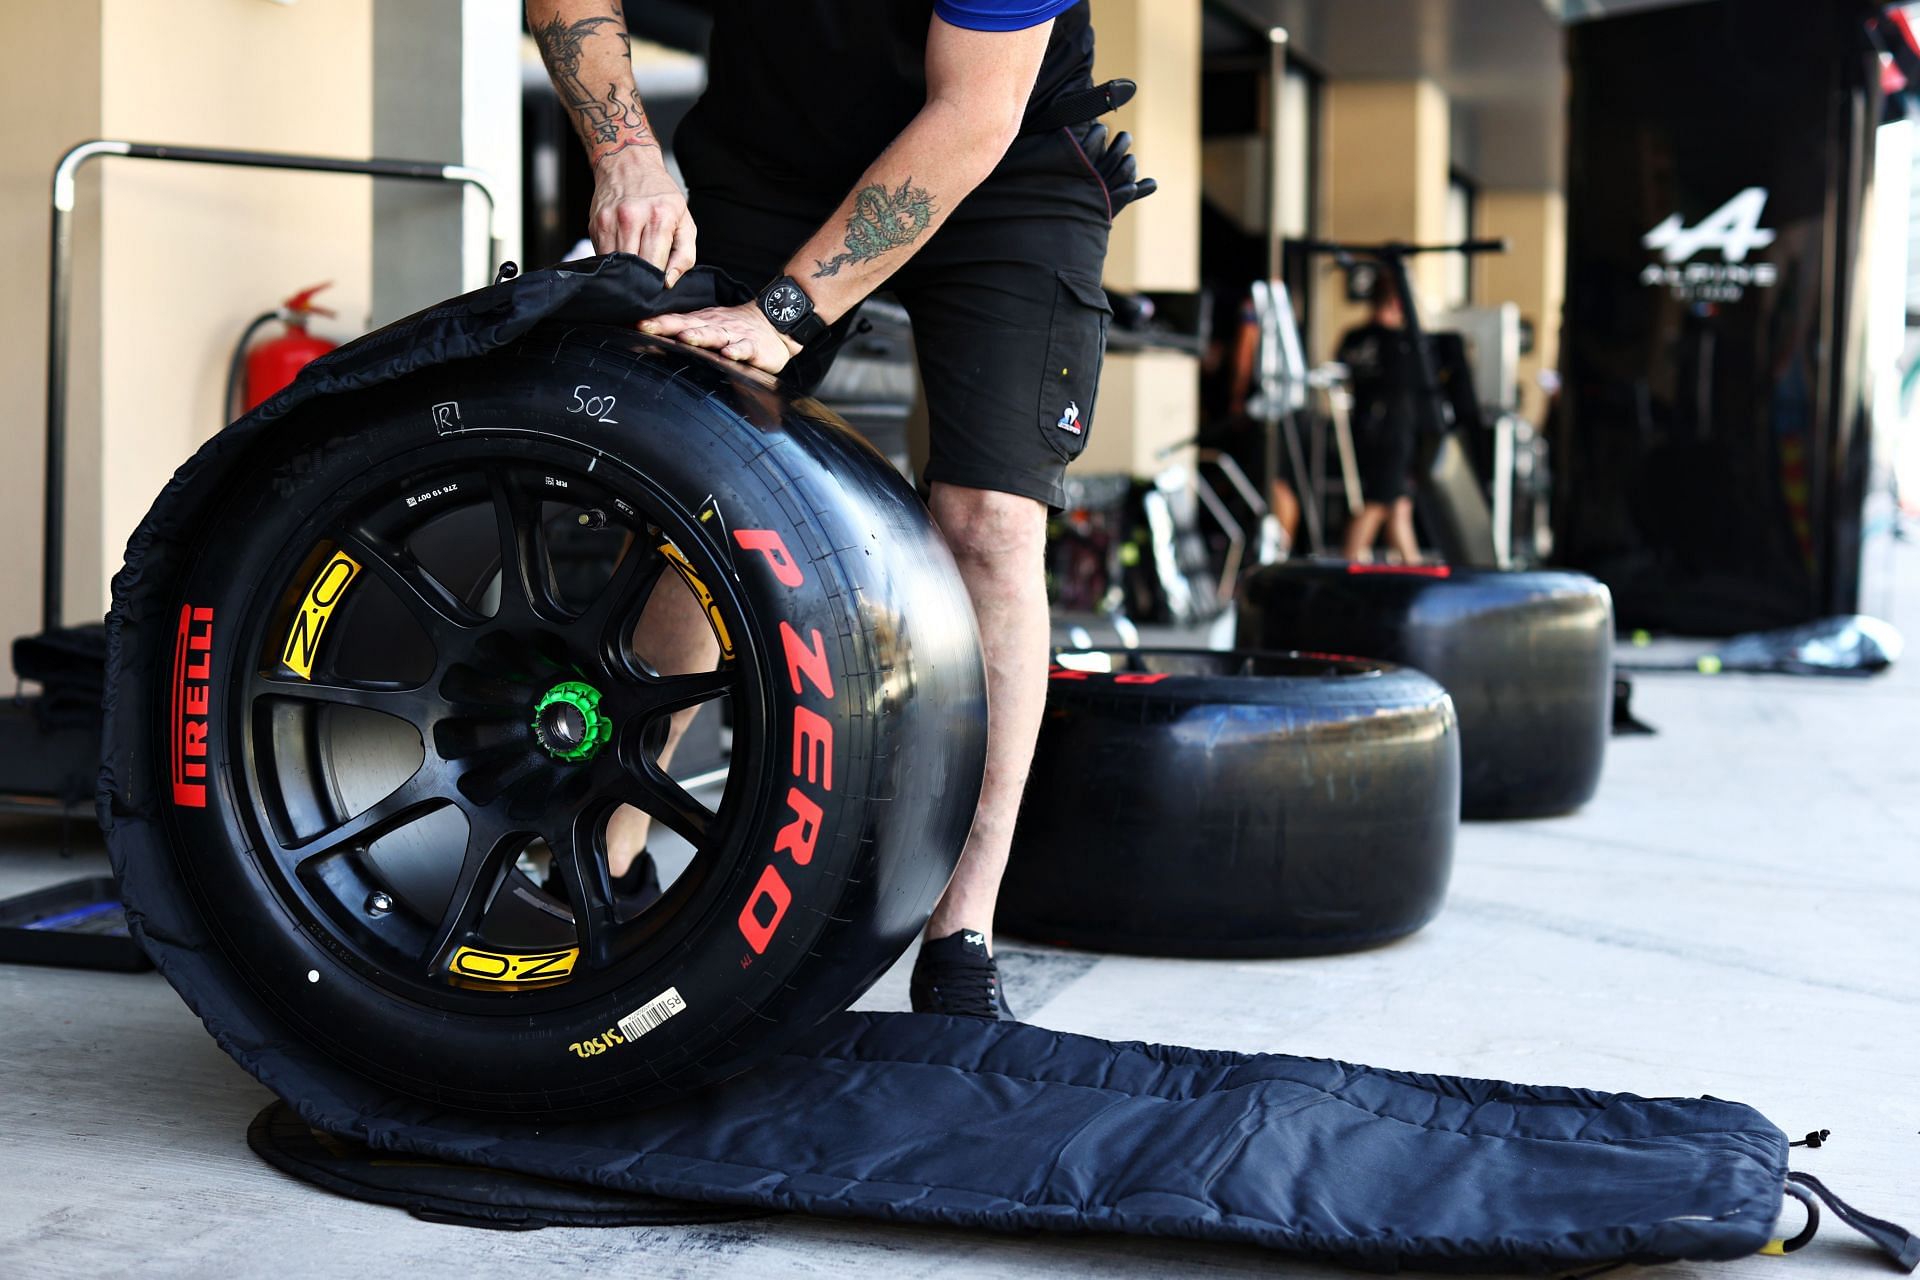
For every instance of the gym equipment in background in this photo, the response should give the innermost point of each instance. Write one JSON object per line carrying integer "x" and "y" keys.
{"x": 365, "y": 734}
{"x": 1527, "y": 657}
{"x": 1198, "y": 803}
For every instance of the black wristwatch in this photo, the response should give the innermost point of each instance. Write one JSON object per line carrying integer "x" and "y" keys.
{"x": 789, "y": 310}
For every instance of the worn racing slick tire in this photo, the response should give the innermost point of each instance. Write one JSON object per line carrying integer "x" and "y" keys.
{"x": 1526, "y": 655}
{"x": 1201, "y": 803}
{"x": 373, "y": 699}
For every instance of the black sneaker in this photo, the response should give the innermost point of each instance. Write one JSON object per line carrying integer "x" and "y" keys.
{"x": 639, "y": 887}
{"x": 955, "y": 975}
{"x": 633, "y": 892}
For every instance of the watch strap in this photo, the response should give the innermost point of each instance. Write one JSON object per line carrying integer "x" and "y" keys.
{"x": 808, "y": 329}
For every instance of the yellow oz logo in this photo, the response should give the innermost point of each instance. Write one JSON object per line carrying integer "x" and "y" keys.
{"x": 303, "y": 638}
{"x": 495, "y": 966}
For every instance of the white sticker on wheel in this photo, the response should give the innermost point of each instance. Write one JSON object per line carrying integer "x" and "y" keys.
{"x": 651, "y": 1014}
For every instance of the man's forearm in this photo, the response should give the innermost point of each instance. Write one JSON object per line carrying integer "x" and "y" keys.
{"x": 901, "y": 200}
{"x": 584, "y": 44}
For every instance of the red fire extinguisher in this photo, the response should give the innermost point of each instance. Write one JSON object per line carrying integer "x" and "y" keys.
{"x": 256, "y": 374}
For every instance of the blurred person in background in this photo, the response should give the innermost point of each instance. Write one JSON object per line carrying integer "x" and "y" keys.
{"x": 1379, "y": 357}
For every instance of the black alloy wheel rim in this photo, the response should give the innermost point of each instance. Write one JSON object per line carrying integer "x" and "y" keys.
{"x": 498, "y": 723}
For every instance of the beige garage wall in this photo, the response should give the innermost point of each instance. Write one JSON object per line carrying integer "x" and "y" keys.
{"x": 172, "y": 260}
{"x": 190, "y": 254}
{"x": 49, "y": 99}
{"x": 1384, "y": 177}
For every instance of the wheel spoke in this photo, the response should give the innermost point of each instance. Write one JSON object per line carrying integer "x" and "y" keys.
{"x": 413, "y": 799}
{"x": 433, "y": 606}
{"x": 526, "y": 564}
{"x": 579, "y": 858}
{"x": 616, "y": 610}
{"x": 648, "y": 789}
{"x": 667, "y": 694}
{"x": 489, "y": 855}
{"x": 412, "y": 704}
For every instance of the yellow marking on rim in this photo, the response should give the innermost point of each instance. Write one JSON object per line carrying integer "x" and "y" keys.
{"x": 506, "y": 968}
{"x": 310, "y": 621}
{"x": 685, "y": 569}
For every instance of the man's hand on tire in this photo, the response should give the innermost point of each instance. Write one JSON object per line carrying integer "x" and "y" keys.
{"x": 740, "y": 333}
{"x": 639, "y": 209}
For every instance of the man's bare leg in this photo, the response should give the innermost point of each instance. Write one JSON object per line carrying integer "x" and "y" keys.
{"x": 674, "y": 638}
{"x": 1362, "y": 530}
{"x": 999, "y": 541}
{"x": 1400, "y": 535}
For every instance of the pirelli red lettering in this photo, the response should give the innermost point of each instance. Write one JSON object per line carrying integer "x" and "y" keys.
{"x": 192, "y": 694}
{"x": 811, "y": 675}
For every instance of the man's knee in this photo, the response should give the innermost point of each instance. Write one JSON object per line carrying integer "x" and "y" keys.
{"x": 986, "y": 527}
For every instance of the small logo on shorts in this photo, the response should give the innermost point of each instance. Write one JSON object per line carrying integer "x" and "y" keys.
{"x": 1070, "y": 419}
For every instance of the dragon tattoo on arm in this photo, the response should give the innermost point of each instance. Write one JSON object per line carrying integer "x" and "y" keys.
{"x": 881, "y": 220}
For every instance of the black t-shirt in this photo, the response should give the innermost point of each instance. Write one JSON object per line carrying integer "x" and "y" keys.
{"x": 1380, "y": 361}
{"x": 802, "y": 95}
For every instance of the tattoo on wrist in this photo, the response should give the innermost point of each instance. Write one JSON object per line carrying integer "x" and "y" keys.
{"x": 881, "y": 220}
{"x": 607, "y": 125}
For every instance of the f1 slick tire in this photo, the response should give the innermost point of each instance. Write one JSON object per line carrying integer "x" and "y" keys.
{"x": 1527, "y": 656}
{"x": 1197, "y": 803}
{"x": 370, "y": 663}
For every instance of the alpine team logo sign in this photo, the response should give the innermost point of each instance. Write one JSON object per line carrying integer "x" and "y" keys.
{"x": 1733, "y": 231}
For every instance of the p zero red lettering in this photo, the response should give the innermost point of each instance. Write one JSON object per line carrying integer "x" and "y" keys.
{"x": 808, "y": 658}
{"x": 771, "y": 545}
{"x": 813, "y": 747}
{"x": 187, "y": 726}
{"x": 766, "y": 908}
{"x": 810, "y": 673}
{"x": 798, "y": 837}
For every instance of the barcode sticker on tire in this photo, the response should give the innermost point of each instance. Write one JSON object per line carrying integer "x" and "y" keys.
{"x": 652, "y": 1014}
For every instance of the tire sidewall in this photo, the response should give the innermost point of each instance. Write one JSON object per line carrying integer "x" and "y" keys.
{"x": 501, "y": 1059}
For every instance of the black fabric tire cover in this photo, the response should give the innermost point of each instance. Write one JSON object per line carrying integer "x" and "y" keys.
{"x": 1527, "y": 656}
{"x": 1195, "y": 803}
{"x": 861, "y": 564}
{"x": 462, "y": 1194}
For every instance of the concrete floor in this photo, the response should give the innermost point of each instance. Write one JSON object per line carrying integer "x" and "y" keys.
{"x": 1738, "y": 913}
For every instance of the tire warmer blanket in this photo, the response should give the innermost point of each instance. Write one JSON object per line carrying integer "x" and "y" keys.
{"x": 916, "y": 1118}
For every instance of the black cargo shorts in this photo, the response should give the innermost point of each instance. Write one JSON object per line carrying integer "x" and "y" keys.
{"x": 1009, "y": 320}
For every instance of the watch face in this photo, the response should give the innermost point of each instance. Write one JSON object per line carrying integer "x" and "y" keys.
{"x": 785, "y": 304}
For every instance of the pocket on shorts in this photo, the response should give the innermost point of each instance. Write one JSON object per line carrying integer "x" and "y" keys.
{"x": 1076, "y": 346}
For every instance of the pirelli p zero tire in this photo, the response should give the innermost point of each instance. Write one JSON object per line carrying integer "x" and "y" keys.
{"x": 1195, "y": 803}
{"x": 377, "y": 702}
{"x": 1527, "y": 656}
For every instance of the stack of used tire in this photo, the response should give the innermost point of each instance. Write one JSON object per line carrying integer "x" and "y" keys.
{"x": 1199, "y": 803}
{"x": 1526, "y": 656}
{"x": 1281, "y": 800}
